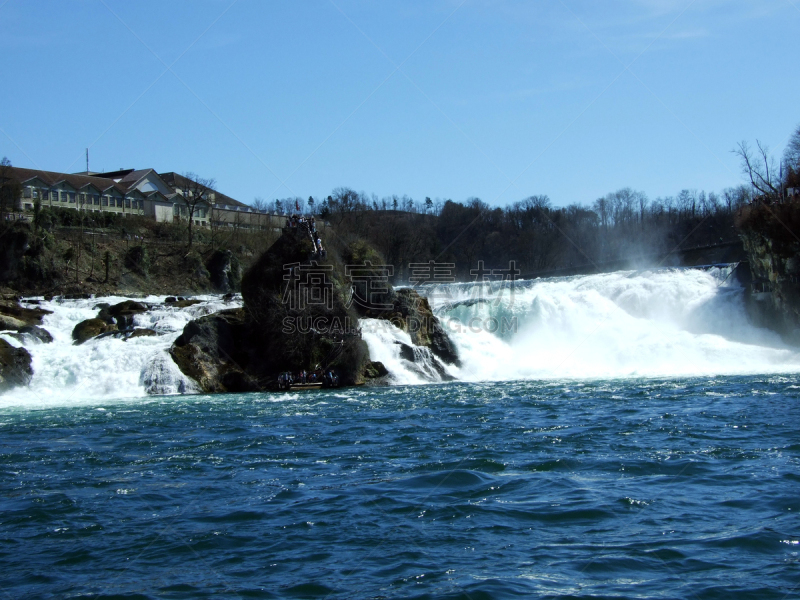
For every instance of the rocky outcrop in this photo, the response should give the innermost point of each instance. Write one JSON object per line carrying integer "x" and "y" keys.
{"x": 29, "y": 316}
{"x": 771, "y": 237}
{"x": 124, "y": 312}
{"x": 412, "y": 313}
{"x": 27, "y": 332}
{"x": 15, "y": 366}
{"x": 299, "y": 315}
{"x": 24, "y": 322}
{"x": 295, "y": 318}
{"x": 214, "y": 351}
{"x": 91, "y": 328}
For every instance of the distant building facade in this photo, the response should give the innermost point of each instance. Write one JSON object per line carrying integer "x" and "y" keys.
{"x": 142, "y": 192}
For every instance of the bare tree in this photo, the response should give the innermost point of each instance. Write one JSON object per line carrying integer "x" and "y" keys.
{"x": 791, "y": 160}
{"x": 791, "y": 155}
{"x": 760, "y": 168}
{"x": 259, "y": 204}
{"x": 194, "y": 192}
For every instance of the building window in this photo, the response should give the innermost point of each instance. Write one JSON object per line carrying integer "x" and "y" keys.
{"x": 96, "y": 200}
{"x": 72, "y": 197}
{"x": 127, "y": 202}
{"x": 104, "y": 201}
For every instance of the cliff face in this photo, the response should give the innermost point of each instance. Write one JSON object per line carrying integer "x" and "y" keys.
{"x": 771, "y": 237}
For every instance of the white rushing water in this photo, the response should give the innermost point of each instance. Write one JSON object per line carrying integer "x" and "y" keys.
{"x": 109, "y": 367}
{"x": 671, "y": 322}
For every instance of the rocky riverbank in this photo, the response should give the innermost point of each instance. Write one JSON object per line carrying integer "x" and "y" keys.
{"x": 771, "y": 237}
{"x": 138, "y": 259}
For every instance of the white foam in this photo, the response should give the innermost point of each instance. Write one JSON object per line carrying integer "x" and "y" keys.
{"x": 672, "y": 322}
{"x": 105, "y": 368}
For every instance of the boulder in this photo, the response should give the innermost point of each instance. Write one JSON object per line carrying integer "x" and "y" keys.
{"x": 32, "y": 331}
{"x": 15, "y": 366}
{"x": 10, "y": 323}
{"x": 374, "y": 370}
{"x": 91, "y": 328}
{"x": 30, "y": 316}
{"x": 412, "y": 313}
{"x": 124, "y": 312}
{"x": 40, "y": 333}
{"x": 141, "y": 332}
{"x": 212, "y": 351}
{"x": 300, "y": 316}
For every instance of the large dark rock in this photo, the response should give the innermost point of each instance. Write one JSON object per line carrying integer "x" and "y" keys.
{"x": 124, "y": 312}
{"x": 214, "y": 351}
{"x": 412, "y": 313}
{"x": 91, "y": 328}
{"x": 15, "y": 366}
{"x": 33, "y": 332}
{"x": 299, "y": 313}
{"x": 29, "y": 316}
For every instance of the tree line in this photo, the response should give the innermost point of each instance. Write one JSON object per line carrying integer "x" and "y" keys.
{"x": 622, "y": 226}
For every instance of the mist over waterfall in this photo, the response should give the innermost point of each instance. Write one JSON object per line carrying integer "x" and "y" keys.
{"x": 661, "y": 323}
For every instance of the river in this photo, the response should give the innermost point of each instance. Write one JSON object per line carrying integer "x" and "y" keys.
{"x": 629, "y": 435}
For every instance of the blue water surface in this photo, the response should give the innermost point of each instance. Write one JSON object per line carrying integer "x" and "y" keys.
{"x": 612, "y": 489}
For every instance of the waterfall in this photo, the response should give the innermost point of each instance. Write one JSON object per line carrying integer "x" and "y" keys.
{"x": 108, "y": 367}
{"x": 659, "y": 323}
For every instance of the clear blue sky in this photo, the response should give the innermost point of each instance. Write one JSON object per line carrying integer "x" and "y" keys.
{"x": 440, "y": 98}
